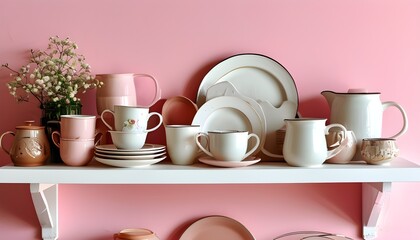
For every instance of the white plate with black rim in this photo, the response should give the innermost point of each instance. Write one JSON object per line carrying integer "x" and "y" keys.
{"x": 254, "y": 75}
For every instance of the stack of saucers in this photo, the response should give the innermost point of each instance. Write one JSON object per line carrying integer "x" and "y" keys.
{"x": 149, "y": 154}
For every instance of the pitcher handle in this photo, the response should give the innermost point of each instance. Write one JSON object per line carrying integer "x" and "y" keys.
{"x": 103, "y": 119}
{"x": 386, "y": 105}
{"x": 1, "y": 141}
{"x": 197, "y": 141}
{"x": 158, "y": 92}
{"x": 257, "y": 143}
{"x": 335, "y": 151}
{"x": 160, "y": 121}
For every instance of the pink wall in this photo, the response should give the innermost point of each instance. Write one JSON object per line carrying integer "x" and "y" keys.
{"x": 325, "y": 44}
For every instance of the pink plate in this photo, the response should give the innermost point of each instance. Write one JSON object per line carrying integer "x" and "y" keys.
{"x": 219, "y": 163}
{"x": 216, "y": 227}
{"x": 178, "y": 110}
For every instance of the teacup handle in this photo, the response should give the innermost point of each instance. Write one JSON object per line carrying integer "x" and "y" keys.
{"x": 335, "y": 151}
{"x": 1, "y": 141}
{"x": 54, "y": 139}
{"x": 197, "y": 141}
{"x": 386, "y": 105}
{"x": 257, "y": 143}
{"x": 158, "y": 92}
{"x": 103, "y": 119}
{"x": 160, "y": 121}
{"x": 98, "y": 137}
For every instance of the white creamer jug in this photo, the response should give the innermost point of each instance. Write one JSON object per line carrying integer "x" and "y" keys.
{"x": 305, "y": 144}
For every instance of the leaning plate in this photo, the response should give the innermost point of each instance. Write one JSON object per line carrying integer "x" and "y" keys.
{"x": 217, "y": 227}
{"x": 229, "y": 113}
{"x": 218, "y": 163}
{"x": 256, "y": 76}
{"x": 129, "y": 157}
{"x": 130, "y": 163}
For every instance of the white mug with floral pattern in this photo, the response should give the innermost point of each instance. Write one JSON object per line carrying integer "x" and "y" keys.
{"x": 130, "y": 119}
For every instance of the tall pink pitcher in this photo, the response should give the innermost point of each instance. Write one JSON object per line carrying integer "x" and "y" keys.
{"x": 120, "y": 89}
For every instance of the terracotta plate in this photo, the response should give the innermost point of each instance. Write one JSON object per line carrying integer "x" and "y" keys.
{"x": 216, "y": 227}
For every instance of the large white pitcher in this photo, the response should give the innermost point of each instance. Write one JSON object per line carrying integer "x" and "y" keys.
{"x": 305, "y": 144}
{"x": 120, "y": 89}
{"x": 361, "y": 112}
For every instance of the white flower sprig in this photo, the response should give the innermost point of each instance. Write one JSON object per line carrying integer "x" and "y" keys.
{"x": 58, "y": 74}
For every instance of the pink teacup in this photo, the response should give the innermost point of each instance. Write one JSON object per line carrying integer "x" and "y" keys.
{"x": 77, "y": 126}
{"x": 76, "y": 152}
{"x": 57, "y": 135}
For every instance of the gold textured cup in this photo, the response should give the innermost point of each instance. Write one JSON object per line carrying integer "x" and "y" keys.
{"x": 379, "y": 150}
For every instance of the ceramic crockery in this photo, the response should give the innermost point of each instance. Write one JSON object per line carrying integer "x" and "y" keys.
{"x": 305, "y": 144}
{"x": 334, "y": 138}
{"x": 361, "y": 112}
{"x": 227, "y": 145}
{"x": 173, "y": 106}
{"x": 77, "y": 126}
{"x": 135, "y": 234}
{"x": 120, "y": 89}
{"x": 77, "y": 152}
{"x": 379, "y": 150}
{"x": 128, "y": 140}
{"x": 180, "y": 141}
{"x": 30, "y": 146}
{"x": 131, "y": 118}
{"x": 58, "y": 135}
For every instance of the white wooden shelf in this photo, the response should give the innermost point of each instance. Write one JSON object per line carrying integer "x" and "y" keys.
{"x": 376, "y": 179}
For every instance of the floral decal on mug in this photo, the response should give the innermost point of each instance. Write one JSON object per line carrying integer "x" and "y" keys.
{"x": 130, "y": 125}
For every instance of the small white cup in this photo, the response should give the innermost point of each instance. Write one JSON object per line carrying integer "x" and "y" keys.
{"x": 131, "y": 118}
{"x": 180, "y": 142}
{"x": 230, "y": 145}
{"x": 128, "y": 140}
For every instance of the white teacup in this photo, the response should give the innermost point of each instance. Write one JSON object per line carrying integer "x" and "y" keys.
{"x": 128, "y": 140}
{"x": 180, "y": 141}
{"x": 227, "y": 145}
{"x": 131, "y": 118}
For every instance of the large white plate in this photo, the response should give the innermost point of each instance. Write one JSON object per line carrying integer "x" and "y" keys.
{"x": 216, "y": 227}
{"x": 129, "y": 157}
{"x": 129, "y": 163}
{"x": 254, "y": 75}
{"x": 229, "y": 113}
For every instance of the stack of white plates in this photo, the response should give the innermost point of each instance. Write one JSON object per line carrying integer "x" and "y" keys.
{"x": 250, "y": 92}
{"x": 110, "y": 155}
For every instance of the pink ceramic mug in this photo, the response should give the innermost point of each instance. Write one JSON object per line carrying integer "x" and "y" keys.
{"x": 57, "y": 135}
{"x": 76, "y": 152}
{"x": 77, "y": 126}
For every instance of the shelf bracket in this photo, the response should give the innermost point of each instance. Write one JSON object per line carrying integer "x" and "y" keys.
{"x": 45, "y": 200}
{"x": 375, "y": 200}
